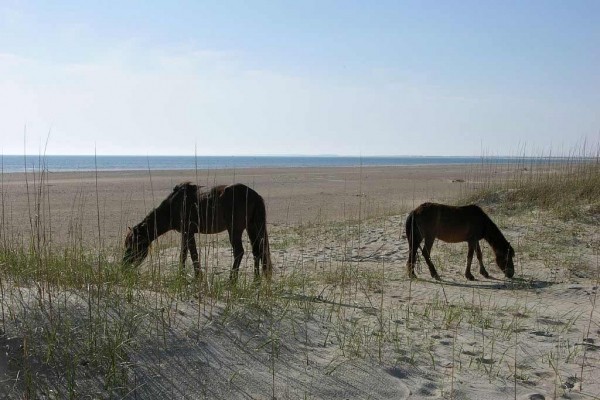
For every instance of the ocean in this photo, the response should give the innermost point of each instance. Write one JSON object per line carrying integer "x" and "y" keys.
{"x": 54, "y": 163}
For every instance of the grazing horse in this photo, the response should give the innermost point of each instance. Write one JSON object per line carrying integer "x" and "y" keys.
{"x": 451, "y": 224}
{"x": 190, "y": 210}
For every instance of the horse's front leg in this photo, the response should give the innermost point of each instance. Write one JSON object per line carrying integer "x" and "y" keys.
{"x": 191, "y": 245}
{"x": 468, "y": 273}
{"x": 256, "y": 269}
{"x": 482, "y": 269}
{"x": 184, "y": 249}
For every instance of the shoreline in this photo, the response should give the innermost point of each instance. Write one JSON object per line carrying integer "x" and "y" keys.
{"x": 190, "y": 170}
{"x": 80, "y": 164}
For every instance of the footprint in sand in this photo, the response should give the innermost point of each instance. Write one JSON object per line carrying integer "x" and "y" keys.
{"x": 429, "y": 389}
{"x": 541, "y": 333}
{"x": 534, "y": 396}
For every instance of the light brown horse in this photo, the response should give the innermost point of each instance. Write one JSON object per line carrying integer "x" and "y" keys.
{"x": 189, "y": 209}
{"x": 451, "y": 224}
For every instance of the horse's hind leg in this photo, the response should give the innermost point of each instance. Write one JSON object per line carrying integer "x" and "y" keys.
{"x": 414, "y": 241}
{"x": 468, "y": 273}
{"x": 426, "y": 254}
{"x": 256, "y": 241}
{"x": 482, "y": 269}
{"x": 235, "y": 238}
{"x": 265, "y": 255}
{"x": 412, "y": 258}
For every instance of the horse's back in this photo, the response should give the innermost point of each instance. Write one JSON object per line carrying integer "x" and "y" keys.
{"x": 450, "y": 223}
{"x": 241, "y": 189}
{"x": 228, "y": 195}
{"x": 241, "y": 204}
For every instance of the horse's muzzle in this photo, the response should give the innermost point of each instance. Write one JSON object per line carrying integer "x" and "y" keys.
{"x": 129, "y": 259}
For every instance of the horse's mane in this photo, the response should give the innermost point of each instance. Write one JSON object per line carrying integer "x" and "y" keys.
{"x": 166, "y": 203}
{"x": 182, "y": 186}
{"x": 179, "y": 188}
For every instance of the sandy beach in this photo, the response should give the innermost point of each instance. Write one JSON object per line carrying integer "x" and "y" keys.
{"x": 82, "y": 205}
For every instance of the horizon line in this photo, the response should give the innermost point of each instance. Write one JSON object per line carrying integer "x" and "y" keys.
{"x": 291, "y": 155}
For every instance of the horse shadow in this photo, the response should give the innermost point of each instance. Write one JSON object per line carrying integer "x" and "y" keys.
{"x": 499, "y": 284}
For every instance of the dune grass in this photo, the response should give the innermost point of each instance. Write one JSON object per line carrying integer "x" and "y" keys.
{"x": 569, "y": 187}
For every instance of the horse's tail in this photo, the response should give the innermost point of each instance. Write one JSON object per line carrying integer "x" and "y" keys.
{"x": 258, "y": 229}
{"x": 409, "y": 226}
{"x": 413, "y": 235}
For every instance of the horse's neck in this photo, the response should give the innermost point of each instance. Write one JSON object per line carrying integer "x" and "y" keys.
{"x": 494, "y": 237}
{"x": 158, "y": 223}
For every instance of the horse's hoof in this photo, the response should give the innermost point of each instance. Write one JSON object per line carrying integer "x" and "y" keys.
{"x": 470, "y": 277}
{"x": 486, "y": 275}
{"x": 412, "y": 276}
{"x": 436, "y": 277}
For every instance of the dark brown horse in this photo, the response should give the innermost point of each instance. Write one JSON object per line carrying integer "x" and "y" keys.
{"x": 190, "y": 210}
{"x": 451, "y": 224}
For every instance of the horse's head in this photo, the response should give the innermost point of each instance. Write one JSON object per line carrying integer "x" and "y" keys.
{"x": 137, "y": 244}
{"x": 504, "y": 259}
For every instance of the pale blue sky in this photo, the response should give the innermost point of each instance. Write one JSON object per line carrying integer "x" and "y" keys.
{"x": 304, "y": 77}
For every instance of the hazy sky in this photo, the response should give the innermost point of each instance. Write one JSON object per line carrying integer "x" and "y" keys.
{"x": 299, "y": 77}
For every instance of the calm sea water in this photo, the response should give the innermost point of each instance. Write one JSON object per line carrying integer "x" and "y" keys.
{"x": 11, "y": 164}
